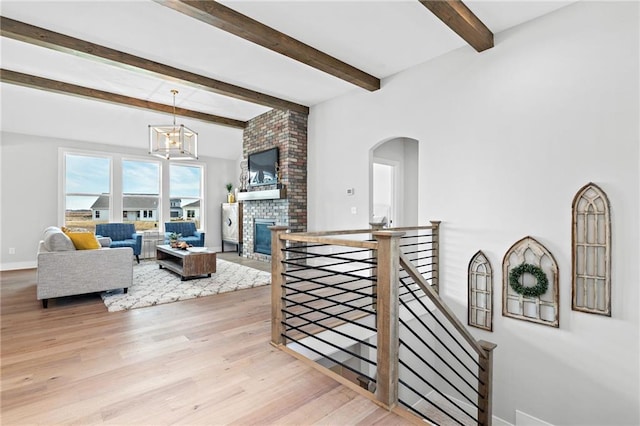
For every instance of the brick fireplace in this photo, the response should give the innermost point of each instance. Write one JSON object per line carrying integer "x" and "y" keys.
{"x": 286, "y": 130}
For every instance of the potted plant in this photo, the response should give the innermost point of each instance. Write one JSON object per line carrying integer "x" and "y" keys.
{"x": 230, "y": 197}
{"x": 173, "y": 239}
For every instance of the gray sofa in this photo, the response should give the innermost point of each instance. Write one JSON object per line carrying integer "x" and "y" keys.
{"x": 65, "y": 271}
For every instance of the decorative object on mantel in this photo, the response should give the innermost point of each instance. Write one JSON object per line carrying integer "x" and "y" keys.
{"x": 591, "y": 251}
{"x": 230, "y": 196}
{"x": 172, "y": 141}
{"x": 244, "y": 175}
{"x": 480, "y": 305}
{"x": 530, "y": 283}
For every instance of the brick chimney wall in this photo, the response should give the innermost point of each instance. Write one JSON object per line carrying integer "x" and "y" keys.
{"x": 286, "y": 130}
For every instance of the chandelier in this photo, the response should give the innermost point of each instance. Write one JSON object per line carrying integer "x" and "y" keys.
{"x": 173, "y": 141}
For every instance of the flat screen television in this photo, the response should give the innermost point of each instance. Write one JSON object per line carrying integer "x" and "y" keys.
{"x": 263, "y": 167}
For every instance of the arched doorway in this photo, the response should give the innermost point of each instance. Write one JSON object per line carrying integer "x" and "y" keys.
{"x": 393, "y": 182}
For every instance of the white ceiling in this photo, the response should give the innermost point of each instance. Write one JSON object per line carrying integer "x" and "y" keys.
{"x": 379, "y": 37}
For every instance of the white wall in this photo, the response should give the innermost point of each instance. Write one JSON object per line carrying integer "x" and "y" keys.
{"x": 29, "y": 192}
{"x": 507, "y": 137}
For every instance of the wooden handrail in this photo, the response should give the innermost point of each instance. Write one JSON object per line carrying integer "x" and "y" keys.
{"x": 341, "y": 232}
{"x": 321, "y": 237}
{"x": 363, "y": 231}
{"x": 442, "y": 307}
{"x": 303, "y": 238}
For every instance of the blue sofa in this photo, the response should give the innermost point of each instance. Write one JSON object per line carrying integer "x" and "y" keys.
{"x": 188, "y": 233}
{"x": 122, "y": 235}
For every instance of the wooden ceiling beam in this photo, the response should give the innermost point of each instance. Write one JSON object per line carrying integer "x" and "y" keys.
{"x": 227, "y": 19}
{"x": 42, "y": 37}
{"x": 55, "y": 86}
{"x": 457, "y": 16}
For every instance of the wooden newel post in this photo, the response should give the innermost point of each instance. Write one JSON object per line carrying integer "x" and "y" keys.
{"x": 435, "y": 269}
{"x": 485, "y": 388}
{"x": 374, "y": 304}
{"x": 388, "y": 254}
{"x": 277, "y": 280}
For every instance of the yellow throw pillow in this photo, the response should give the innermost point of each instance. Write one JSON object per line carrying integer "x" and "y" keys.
{"x": 84, "y": 240}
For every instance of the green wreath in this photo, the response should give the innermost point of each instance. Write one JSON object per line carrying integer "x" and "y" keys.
{"x": 536, "y": 291}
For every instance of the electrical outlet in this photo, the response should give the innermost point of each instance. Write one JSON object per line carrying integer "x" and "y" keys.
{"x": 12, "y": 250}
{"x": 354, "y": 210}
{"x": 350, "y": 191}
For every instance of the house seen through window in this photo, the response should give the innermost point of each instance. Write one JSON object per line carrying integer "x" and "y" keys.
{"x": 186, "y": 189}
{"x": 141, "y": 193}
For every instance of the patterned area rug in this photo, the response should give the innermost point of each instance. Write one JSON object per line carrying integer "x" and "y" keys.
{"x": 155, "y": 286}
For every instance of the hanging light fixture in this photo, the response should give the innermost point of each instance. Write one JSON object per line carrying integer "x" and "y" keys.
{"x": 173, "y": 142}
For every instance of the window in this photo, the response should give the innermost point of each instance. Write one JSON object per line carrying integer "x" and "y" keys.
{"x": 87, "y": 190}
{"x": 107, "y": 187}
{"x": 185, "y": 189}
{"x": 141, "y": 193}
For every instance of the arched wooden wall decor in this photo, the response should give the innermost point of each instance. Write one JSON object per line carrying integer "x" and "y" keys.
{"x": 480, "y": 305}
{"x": 591, "y": 251}
{"x": 533, "y": 265}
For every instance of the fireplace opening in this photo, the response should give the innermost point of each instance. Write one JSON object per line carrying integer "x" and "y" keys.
{"x": 262, "y": 236}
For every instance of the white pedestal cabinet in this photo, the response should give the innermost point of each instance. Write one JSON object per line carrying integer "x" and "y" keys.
{"x": 232, "y": 225}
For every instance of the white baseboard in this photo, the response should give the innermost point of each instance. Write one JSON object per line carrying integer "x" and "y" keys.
{"x": 524, "y": 419}
{"x": 13, "y": 266}
{"x": 500, "y": 422}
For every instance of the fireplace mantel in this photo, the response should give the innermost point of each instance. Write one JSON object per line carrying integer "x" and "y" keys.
{"x": 269, "y": 194}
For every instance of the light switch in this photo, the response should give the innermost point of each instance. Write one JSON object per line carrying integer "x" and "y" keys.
{"x": 350, "y": 191}
{"x": 354, "y": 210}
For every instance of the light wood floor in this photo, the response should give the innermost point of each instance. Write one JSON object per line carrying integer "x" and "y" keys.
{"x": 200, "y": 361}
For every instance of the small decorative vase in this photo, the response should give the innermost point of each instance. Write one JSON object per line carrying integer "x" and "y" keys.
{"x": 173, "y": 243}
{"x": 231, "y": 198}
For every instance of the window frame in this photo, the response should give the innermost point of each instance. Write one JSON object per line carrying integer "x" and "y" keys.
{"x": 202, "y": 217}
{"x": 62, "y": 180}
{"x": 143, "y": 213}
{"x": 116, "y": 184}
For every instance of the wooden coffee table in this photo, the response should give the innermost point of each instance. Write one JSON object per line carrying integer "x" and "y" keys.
{"x": 185, "y": 263}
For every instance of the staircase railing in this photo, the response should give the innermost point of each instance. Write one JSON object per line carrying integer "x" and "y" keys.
{"x": 363, "y": 305}
{"x": 438, "y": 357}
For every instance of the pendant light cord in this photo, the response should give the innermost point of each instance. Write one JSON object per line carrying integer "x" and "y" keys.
{"x": 175, "y": 92}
